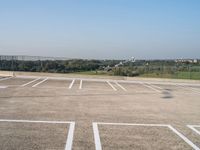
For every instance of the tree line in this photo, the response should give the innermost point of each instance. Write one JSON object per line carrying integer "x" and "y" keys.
{"x": 60, "y": 66}
{"x": 136, "y": 68}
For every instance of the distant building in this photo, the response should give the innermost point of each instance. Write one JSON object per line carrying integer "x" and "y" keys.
{"x": 108, "y": 68}
{"x": 195, "y": 61}
{"x": 126, "y": 61}
{"x": 186, "y": 61}
{"x": 120, "y": 64}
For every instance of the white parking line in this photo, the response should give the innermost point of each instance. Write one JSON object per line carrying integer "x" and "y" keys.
{"x": 193, "y": 128}
{"x": 72, "y": 83}
{"x": 6, "y": 78}
{"x": 96, "y": 136}
{"x": 70, "y": 136}
{"x": 40, "y": 82}
{"x": 69, "y": 141}
{"x": 3, "y": 87}
{"x": 150, "y": 87}
{"x": 111, "y": 86}
{"x": 98, "y": 141}
{"x": 155, "y": 86}
{"x": 123, "y": 88}
{"x": 30, "y": 82}
{"x": 184, "y": 138}
{"x": 132, "y": 124}
{"x": 81, "y": 83}
{"x": 34, "y": 121}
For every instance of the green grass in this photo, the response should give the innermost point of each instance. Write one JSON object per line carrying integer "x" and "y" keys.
{"x": 92, "y": 73}
{"x": 188, "y": 75}
{"x": 177, "y": 75}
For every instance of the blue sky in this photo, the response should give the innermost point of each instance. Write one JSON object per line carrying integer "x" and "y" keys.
{"x": 101, "y": 29}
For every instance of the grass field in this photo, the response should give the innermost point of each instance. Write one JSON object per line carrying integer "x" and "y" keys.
{"x": 93, "y": 73}
{"x": 177, "y": 75}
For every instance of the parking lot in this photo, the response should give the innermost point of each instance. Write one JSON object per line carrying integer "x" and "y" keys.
{"x": 81, "y": 113}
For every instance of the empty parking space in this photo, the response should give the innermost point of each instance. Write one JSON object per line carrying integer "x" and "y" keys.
{"x": 97, "y": 86}
{"x": 173, "y": 88}
{"x": 139, "y": 136}
{"x": 30, "y": 82}
{"x": 139, "y": 87}
{"x": 194, "y": 89}
{"x": 40, "y": 82}
{"x": 116, "y": 86}
{"x": 103, "y": 86}
{"x": 14, "y": 81}
{"x": 26, "y": 134}
{"x": 75, "y": 84}
{"x": 196, "y": 86}
{"x": 52, "y": 83}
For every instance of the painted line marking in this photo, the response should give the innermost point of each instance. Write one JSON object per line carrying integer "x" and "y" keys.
{"x": 111, "y": 86}
{"x": 123, "y": 88}
{"x": 35, "y": 121}
{"x": 98, "y": 141}
{"x": 3, "y": 87}
{"x": 72, "y": 83}
{"x": 184, "y": 138}
{"x": 193, "y": 128}
{"x": 96, "y": 136}
{"x": 30, "y": 82}
{"x": 132, "y": 124}
{"x": 121, "y": 81}
{"x": 6, "y": 78}
{"x": 155, "y": 86}
{"x": 40, "y": 82}
{"x": 70, "y": 136}
{"x": 150, "y": 87}
{"x": 81, "y": 83}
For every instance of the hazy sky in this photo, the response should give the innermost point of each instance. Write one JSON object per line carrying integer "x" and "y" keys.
{"x": 115, "y": 29}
